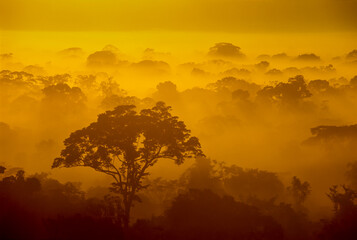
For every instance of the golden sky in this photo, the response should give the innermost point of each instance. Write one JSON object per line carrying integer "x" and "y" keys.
{"x": 185, "y": 15}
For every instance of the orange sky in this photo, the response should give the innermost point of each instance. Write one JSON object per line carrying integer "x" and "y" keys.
{"x": 186, "y": 15}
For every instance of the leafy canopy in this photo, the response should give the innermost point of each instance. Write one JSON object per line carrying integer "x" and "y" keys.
{"x": 124, "y": 143}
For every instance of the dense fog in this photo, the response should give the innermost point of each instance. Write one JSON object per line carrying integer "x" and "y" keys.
{"x": 182, "y": 120}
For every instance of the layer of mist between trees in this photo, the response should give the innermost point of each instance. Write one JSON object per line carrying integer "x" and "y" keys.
{"x": 280, "y": 129}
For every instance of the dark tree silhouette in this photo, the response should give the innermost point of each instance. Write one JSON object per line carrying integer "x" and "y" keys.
{"x": 204, "y": 174}
{"x": 289, "y": 93}
{"x": 248, "y": 183}
{"x": 352, "y": 55}
{"x": 343, "y": 225}
{"x": 296, "y": 224}
{"x": 308, "y": 57}
{"x": 61, "y": 101}
{"x": 353, "y": 81}
{"x": 328, "y": 134}
{"x": 227, "y": 50}
{"x": 63, "y": 93}
{"x": 110, "y": 87}
{"x": 73, "y": 52}
{"x": 240, "y": 95}
{"x": 111, "y": 101}
{"x": 167, "y": 92}
{"x": 39, "y": 207}
{"x": 124, "y": 144}
{"x": 231, "y": 84}
{"x": 57, "y": 79}
{"x": 151, "y": 67}
{"x": 274, "y": 72}
{"x": 86, "y": 81}
{"x": 263, "y": 65}
{"x": 342, "y": 202}
{"x": 201, "y": 214}
{"x": 319, "y": 86}
{"x": 299, "y": 191}
{"x": 102, "y": 59}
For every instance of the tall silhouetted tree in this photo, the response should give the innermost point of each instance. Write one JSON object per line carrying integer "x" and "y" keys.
{"x": 299, "y": 191}
{"x": 124, "y": 144}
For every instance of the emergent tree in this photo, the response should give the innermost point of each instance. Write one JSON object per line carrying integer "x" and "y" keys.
{"x": 124, "y": 143}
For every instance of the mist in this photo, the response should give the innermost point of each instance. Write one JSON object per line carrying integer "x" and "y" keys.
{"x": 222, "y": 120}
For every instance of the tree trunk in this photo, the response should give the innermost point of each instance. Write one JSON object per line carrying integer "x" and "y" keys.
{"x": 126, "y": 217}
